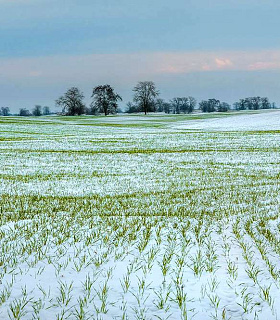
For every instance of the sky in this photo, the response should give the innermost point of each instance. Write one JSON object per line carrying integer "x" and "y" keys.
{"x": 224, "y": 49}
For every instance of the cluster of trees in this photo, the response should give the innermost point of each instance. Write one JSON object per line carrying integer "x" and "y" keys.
{"x": 36, "y": 111}
{"x": 254, "y": 103}
{"x": 176, "y": 106}
{"x": 145, "y": 99}
{"x": 212, "y": 105}
{"x": 188, "y": 104}
{"x": 104, "y": 100}
{"x": 4, "y": 111}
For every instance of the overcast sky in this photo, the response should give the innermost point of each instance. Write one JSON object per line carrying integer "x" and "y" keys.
{"x": 225, "y": 49}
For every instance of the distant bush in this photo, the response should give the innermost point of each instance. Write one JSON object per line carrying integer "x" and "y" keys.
{"x": 253, "y": 103}
{"x": 24, "y": 112}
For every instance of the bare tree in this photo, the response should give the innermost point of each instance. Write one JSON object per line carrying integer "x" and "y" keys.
{"x": 105, "y": 100}
{"x": 46, "y": 111}
{"x": 72, "y": 102}
{"x": 5, "y": 111}
{"x": 37, "y": 111}
{"x": 159, "y": 105}
{"x": 24, "y": 112}
{"x": 176, "y": 105}
{"x": 188, "y": 104}
{"x": 223, "y": 107}
{"x": 167, "y": 107}
{"x": 145, "y": 94}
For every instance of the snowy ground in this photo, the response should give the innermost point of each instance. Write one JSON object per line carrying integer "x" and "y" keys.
{"x": 138, "y": 218}
{"x": 262, "y": 121}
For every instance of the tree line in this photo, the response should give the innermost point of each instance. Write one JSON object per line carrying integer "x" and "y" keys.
{"x": 146, "y": 99}
{"x": 36, "y": 111}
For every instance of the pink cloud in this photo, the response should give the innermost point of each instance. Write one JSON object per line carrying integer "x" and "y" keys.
{"x": 206, "y": 67}
{"x": 223, "y": 63}
{"x": 264, "y": 65}
{"x": 217, "y": 61}
{"x": 125, "y": 68}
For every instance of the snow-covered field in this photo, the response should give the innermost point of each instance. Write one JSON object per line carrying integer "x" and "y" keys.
{"x": 158, "y": 217}
{"x": 261, "y": 121}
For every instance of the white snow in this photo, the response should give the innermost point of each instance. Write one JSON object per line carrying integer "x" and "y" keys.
{"x": 262, "y": 121}
{"x": 77, "y": 203}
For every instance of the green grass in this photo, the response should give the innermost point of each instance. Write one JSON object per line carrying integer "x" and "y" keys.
{"x": 110, "y": 205}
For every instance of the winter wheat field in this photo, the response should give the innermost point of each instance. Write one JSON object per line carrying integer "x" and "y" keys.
{"x": 134, "y": 217}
